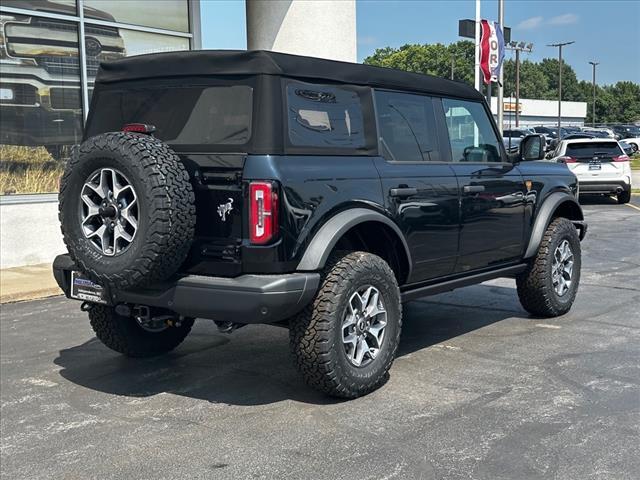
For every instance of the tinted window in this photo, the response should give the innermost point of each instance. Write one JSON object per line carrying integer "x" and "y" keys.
{"x": 470, "y": 132}
{"x": 197, "y": 115}
{"x": 324, "y": 116}
{"x": 407, "y": 127}
{"x": 591, "y": 149}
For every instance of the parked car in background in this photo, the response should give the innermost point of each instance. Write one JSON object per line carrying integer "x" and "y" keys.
{"x": 600, "y": 165}
{"x": 626, "y": 131}
{"x": 572, "y": 129}
{"x": 634, "y": 142}
{"x": 628, "y": 148}
{"x": 512, "y": 138}
{"x": 601, "y": 131}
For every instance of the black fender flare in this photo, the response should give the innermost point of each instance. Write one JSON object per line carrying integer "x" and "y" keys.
{"x": 544, "y": 216}
{"x": 318, "y": 251}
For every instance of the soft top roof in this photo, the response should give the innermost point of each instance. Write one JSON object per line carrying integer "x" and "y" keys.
{"x": 260, "y": 62}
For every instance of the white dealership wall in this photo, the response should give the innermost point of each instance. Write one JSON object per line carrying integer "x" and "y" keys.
{"x": 541, "y": 112}
{"x": 29, "y": 230}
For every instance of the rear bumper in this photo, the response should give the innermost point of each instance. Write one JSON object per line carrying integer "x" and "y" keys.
{"x": 603, "y": 186}
{"x": 244, "y": 299}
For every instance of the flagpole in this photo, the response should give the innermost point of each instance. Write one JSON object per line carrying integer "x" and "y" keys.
{"x": 476, "y": 75}
{"x": 501, "y": 76}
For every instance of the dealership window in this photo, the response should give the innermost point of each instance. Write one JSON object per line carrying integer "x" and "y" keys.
{"x": 167, "y": 14}
{"x": 41, "y": 82}
{"x": 40, "y": 101}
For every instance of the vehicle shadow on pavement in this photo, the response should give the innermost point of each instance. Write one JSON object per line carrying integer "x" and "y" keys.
{"x": 253, "y": 366}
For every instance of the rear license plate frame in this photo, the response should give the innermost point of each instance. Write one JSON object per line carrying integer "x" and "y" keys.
{"x": 85, "y": 289}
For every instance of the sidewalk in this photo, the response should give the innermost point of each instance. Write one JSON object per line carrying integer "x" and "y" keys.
{"x": 27, "y": 283}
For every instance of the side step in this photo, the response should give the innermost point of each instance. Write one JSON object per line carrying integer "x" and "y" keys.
{"x": 448, "y": 285}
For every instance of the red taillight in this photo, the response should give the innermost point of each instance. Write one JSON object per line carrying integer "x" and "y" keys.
{"x": 263, "y": 212}
{"x": 621, "y": 158}
{"x": 567, "y": 159}
{"x": 139, "y": 128}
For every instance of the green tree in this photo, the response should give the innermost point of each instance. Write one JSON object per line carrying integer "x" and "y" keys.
{"x": 538, "y": 80}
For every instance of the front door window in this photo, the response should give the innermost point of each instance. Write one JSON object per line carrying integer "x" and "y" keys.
{"x": 471, "y": 133}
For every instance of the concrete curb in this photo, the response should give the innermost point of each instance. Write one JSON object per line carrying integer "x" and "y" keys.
{"x": 27, "y": 283}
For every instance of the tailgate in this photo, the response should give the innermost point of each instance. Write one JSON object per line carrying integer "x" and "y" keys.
{"x": 217, "y": 182}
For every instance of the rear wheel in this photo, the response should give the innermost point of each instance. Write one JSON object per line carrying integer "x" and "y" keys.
{"x": 132, "y": 338}
{"x": 548, "y": 287}
{"x": 624, "y": 196}
{"x": 346, "y": 340}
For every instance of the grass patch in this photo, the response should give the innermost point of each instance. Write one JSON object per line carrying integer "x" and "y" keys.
{"x": 28, "y": 170}
{"x": 635, "y": 161}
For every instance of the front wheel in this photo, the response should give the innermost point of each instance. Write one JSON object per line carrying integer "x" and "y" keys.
{"x": 345, "y": 341}
{"x": 548, "y": 287}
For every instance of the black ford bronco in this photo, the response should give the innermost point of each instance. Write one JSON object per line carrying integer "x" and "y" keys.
{"x": 258, "y": 187}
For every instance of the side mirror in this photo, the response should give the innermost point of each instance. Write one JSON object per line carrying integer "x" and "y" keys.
{"x": 532, "y": 147}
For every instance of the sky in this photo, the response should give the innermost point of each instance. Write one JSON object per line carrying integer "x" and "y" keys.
{"x": 606, "y": 31}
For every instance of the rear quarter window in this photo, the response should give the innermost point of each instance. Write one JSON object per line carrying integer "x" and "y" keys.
{"x": 324, "y": 116}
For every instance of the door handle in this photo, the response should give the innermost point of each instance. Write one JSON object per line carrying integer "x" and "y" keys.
{"x": 473, "y": 188}
{"x": 403, "y": 192}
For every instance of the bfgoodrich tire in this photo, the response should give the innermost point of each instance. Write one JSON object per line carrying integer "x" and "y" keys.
{"x": 548, "y": 287}
{"x": 345, "y": 341}
{"x": 126, "y": 209}
{"x": 124, "y": 335}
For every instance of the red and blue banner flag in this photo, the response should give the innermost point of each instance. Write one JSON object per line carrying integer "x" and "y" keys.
{"x": 491, "y": 50}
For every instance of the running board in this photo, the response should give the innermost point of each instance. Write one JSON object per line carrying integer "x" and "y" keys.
{"x": 449, "y": 285}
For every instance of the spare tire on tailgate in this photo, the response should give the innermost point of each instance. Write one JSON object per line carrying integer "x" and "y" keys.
{"x": 127, "y": 210}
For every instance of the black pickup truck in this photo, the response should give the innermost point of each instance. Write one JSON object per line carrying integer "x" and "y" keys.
{"x": 258, "y": 187}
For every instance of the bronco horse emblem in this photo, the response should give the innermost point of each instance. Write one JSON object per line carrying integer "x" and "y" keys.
{"x": 224, "y": 209}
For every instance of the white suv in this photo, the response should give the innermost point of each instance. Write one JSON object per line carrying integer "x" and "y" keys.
{"x": 600, "y": 165}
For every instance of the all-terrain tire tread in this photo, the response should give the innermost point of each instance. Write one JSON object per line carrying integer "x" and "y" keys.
{"x": 171, "y": 223}
{"x": 534, "y": 286}
{"x": 311, "y": 337}
{"x": 123, "y": 335}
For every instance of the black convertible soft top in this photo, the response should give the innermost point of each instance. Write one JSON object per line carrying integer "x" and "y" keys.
{"x": 260, "y": 62}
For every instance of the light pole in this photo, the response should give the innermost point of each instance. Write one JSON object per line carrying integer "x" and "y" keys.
{"x": 476, "y": 62}
{"x": 519, "y": 47}
{"x": 560, "y": 45}
{"x": 593, "y": 108}
{"x": 501, "y": 76}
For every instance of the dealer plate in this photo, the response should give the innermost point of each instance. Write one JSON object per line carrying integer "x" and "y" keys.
{"x": 84, "y": 289}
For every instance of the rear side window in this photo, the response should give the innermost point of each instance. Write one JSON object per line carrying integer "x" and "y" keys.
{"x": 407, "y": 127}
{"x": 193, "y": 115}
{"x": 593, "y": 149}
{"x": 471, "y": 132}
{"x": 324, "y": 116}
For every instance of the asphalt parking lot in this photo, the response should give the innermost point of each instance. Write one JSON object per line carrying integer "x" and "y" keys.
{"x": 479, "y": 390}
